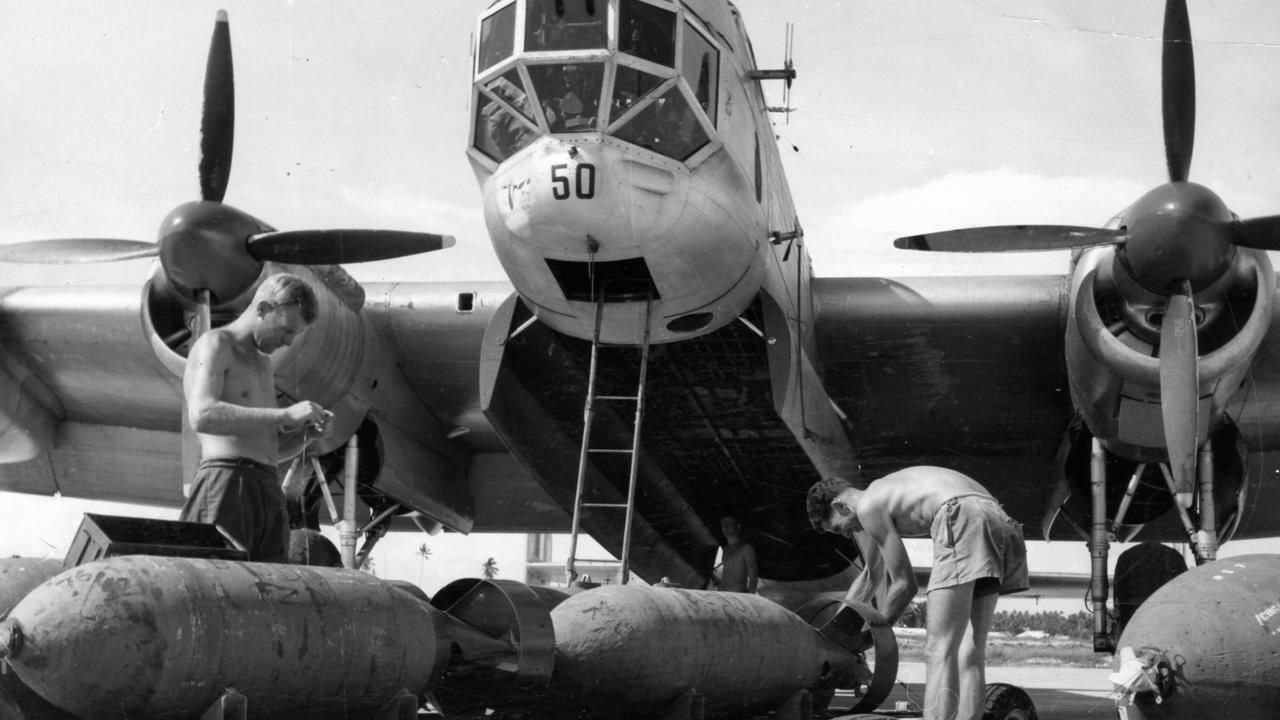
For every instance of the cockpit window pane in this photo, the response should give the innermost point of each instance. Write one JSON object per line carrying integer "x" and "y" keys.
{"x": 647, "y": 32}
{"x": 630, "y": 87}
{"x": 667, "y": 126}
{"x": 499, "y": 134}
{"x": 569, "y": 95}
{"x": 565, "y": 24}
{"x": 509, "y": 87}
{"x": 700, "y": 65}
{"x": 497, "y": 37}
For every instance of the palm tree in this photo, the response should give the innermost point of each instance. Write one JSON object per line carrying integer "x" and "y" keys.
{"x": 424, "y": 554}
{"x": 368, "y": 565}
{"x": 490, "y": 569}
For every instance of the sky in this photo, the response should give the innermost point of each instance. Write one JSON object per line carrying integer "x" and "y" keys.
{"x": 910, "y": 116}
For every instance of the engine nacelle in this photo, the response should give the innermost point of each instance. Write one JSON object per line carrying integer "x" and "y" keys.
{"x": 1112, "y": 341}
{"x": 342, "y": 363}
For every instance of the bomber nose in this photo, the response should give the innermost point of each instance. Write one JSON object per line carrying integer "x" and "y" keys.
{"x": 562, "y": 194}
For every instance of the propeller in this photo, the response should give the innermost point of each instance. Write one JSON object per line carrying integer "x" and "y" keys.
{"x": 207, "y": 245}
{"x": 1180, "y": 390}
{"x": 334, "y": 247}
{"x": 1178, "y": 90}
{"x": 76, "y": 250}
{"x": 217, "y": 124}
{"x": 1012, "y": 238}
{"x": 212, "y": 252}
{"x": 1176, "y": 240}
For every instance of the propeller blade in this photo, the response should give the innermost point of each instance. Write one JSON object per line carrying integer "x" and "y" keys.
{"x": 77, "y": 250}
{"x": 201, "y": 323}
{"x": 1011, "y": 238}
{"x": 335, "y": 247}
{"x": 1178, "y": 90}
{"x": 1180, "y": 390}
{"x": 217, "y": 124}
{"x": 1262, "y": 233}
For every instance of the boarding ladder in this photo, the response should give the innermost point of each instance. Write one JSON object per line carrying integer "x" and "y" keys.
{"x": 584, "y": 457}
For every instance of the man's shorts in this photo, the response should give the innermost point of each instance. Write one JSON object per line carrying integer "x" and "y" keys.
{"x": 242, "y": 496}
{"x": 973, "y": 539}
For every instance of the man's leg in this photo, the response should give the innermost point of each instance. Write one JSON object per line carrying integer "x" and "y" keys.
{"x": 973, "y": 652}
{"x": 947, "y": 618}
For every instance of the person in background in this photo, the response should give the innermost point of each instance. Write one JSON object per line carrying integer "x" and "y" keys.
{"x": 738, "y": 559}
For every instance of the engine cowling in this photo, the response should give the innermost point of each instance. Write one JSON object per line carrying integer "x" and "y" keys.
{"x": 342, "y": 363}
{"x": 1112, "y": 343}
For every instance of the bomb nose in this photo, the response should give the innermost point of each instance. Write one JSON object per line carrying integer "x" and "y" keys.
{"x": 11, "y": 639}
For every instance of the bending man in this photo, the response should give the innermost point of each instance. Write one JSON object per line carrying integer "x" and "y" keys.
{"x": 978, "y": 554}
{"x": 231, "y": 404}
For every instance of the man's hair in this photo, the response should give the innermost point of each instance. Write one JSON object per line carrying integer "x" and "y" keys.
{"x": 818, "y": 501}
{"x": 282, "y": 289}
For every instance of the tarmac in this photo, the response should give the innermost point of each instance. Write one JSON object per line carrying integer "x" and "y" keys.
{"x": 1059, "y": 693}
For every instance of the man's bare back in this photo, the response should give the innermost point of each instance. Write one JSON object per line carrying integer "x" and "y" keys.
{"x": 911, "y": 497}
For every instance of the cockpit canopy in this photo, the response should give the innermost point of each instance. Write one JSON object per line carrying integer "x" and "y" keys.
{"x": 647, "y": 74}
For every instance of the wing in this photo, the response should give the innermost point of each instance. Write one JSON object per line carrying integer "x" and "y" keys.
{"x": 964, "y": 372}
{"x": 79, "y": 360}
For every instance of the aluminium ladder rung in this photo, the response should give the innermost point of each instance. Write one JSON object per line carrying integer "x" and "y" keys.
{"x": 629, "y": 398}
{"x": 625, "y": 451}
{"x": 605, "y": 505}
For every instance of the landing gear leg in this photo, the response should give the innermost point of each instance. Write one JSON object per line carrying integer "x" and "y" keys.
{"x": 1099, "y": 545}
{"x": 1204, "y": 541}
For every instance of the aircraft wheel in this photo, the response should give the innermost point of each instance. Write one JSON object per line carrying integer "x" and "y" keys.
{"x": 1140, "y": 571}
{"x": 1008, "y": 702}
{"x": 309, "y": 547}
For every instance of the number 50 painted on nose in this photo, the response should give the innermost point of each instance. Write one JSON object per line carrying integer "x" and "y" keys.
{"x": 583, "y": 185}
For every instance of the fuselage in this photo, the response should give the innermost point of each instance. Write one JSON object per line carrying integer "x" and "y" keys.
{"x": 625, "y": 155}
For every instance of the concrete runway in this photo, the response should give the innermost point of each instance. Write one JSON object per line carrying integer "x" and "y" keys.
{"x": 1059, "y": 693}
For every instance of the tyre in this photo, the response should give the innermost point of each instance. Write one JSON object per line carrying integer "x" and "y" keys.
{"x": 1008, "y": 702}
{"x": 1140, "y": 571}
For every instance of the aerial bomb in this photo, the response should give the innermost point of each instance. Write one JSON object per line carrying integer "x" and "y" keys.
{"x": 629, "y": 651}
{"x": 160, "y": 637}
{"x": 18, "y": 576}
{"x": 1205, "y": 644}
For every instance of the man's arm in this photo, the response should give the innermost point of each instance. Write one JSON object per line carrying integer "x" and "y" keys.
{"x": 753, "y": 575}
{"x": 864, "y": 586}
{"x": 902, "y": 579}
{"x": 202, "y": 386}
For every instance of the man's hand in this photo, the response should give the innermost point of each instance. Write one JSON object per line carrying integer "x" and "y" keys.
{"x": 848, "y": 630}
{"x": 306, "y": 413}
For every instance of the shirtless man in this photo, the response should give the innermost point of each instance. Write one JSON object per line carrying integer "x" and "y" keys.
{"x": 737, "y": 560}
{"x": 978, "y": 554}
{"x": 231, "y": 404}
